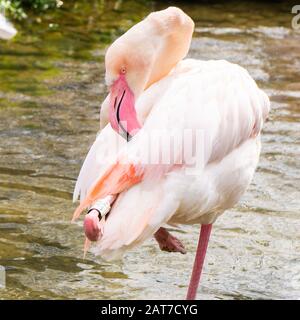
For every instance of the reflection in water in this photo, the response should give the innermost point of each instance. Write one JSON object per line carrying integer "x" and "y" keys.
{"x": 51, "y": 87}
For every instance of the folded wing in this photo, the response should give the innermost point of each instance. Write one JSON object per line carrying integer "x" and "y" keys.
{"x": 218, "y": 99}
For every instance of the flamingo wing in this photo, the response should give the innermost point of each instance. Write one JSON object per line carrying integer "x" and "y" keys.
{"x": 101, "y": 154}
{"x": 216, "y": 97}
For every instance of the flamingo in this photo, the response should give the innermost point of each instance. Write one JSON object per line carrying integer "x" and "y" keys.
{"x": 154, "y": 91}
{"x": 7, "y": 31}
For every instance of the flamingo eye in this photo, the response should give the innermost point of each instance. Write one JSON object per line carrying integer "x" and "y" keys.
{"x": 123, "y": 70}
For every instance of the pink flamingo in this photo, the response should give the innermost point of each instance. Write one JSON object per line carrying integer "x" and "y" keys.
{"x": 153, "y": 89}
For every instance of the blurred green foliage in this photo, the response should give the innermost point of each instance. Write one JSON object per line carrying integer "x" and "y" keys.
{"x": 17, "y": 8}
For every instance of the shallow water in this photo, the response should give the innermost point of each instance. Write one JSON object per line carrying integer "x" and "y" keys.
{"x": 51, "y": 87}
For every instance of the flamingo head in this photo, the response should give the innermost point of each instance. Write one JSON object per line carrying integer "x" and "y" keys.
{"x": 142, "y": 56}
{"x": 126, "y": 75}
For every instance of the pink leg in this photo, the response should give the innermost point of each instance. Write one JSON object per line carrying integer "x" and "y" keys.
{"x": 199, "y": 260}
{"x": 167, "y": 242}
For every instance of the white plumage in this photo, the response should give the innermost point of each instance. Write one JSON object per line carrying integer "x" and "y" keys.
{"x": 7, "y": 31}
{"x": 217, "y": 97}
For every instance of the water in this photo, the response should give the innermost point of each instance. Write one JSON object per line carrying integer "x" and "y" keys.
{"x": 51, "y": 87}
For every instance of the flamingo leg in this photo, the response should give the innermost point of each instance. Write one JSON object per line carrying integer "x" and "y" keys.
{"x": 168, "y": 242}
{"x": 199, "y": 261}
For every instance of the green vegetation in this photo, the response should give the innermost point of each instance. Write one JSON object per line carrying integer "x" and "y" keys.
{"x": 17, "y": 8}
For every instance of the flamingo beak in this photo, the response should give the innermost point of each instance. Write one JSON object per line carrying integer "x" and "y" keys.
{"x": 122, "y": 113}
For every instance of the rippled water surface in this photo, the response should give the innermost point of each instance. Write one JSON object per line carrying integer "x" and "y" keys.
{"x": 51, "y": 87}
